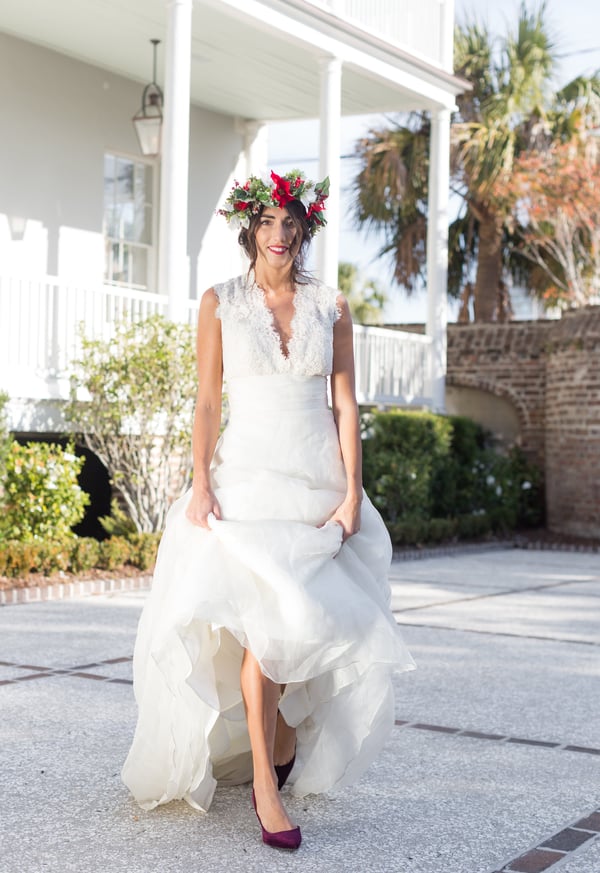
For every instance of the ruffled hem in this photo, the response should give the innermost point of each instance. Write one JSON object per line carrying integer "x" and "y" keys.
{"x": 315, "y": 618}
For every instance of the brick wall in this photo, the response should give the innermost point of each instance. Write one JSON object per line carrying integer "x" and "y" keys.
{"x": 550, "y": 372}
{"x": 573, "y": 424}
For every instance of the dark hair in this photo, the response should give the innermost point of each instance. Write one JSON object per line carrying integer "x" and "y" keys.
{"x": 297, "y": 212}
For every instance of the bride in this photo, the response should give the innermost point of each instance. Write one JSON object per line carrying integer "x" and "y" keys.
{"x": 266, "y": 647}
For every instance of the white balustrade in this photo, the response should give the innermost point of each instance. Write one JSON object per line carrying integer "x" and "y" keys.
{"x": 41, "y": 322}
{"x": 392, "y": 367}
{"x": 417, "y": 27}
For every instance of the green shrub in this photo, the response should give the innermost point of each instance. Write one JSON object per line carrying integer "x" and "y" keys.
{"x": 76, "y": 554}
{"x": 473, "y": 526}
{"x": 143, "y": 549}
{"x": 41, "y": 499}
{"x": 118, "y": 523}
{"x": 85, "y": 552}
{"x": 114, "y": 552}
{"x": 401, "y": 451}
{"x": 52, "y": 556}
{"x": 4, "y": 434}
{"x": 139, "y": 386}
{"x": 17, "y": 558}
{"x": 433, "y": 478}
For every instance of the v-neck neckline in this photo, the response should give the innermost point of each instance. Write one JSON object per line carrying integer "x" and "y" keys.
{"x": 284, "y": 350}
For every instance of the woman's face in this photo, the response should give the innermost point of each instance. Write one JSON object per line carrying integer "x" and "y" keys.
{"x": 275, "y": 237}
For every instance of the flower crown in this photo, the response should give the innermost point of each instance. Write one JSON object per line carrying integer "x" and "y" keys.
{"x": 245, "y": 201}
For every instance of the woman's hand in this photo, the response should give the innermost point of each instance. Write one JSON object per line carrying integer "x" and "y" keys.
{"x": 348, "y": 516}
{"x": 202, "y": 503}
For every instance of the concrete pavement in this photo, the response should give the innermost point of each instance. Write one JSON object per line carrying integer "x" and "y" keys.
{"x": 494, "y": 762}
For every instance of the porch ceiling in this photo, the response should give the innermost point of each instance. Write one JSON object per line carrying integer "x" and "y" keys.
{"x": 242, "y": 65}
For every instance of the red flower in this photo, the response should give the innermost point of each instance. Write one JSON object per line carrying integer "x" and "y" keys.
{"x": 281, "y": 193}
{"x": 239, "y": 206}
{"x": 318, "y": 206}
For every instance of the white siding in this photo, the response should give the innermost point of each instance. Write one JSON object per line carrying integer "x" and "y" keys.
{"x": 59, "y": 118}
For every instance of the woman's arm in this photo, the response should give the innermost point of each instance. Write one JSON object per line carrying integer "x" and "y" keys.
{"x": 207, "y": 415}
{"x": 345, "y": 412}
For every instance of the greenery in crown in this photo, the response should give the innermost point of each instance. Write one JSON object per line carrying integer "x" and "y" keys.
{"x": 245, "y": 201}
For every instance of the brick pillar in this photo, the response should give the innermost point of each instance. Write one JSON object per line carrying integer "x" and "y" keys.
{"x": 573, "y": 424}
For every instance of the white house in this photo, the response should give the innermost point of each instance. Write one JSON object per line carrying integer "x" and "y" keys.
{"x": 90, "y": 228}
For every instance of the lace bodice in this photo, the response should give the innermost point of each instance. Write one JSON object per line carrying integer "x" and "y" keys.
{"x": 251, "y": 343}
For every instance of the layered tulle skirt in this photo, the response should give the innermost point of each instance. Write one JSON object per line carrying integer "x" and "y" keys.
{"x": 273, "y": 578}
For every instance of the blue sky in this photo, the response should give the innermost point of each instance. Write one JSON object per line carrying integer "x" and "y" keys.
{"x": 575, "y": 27}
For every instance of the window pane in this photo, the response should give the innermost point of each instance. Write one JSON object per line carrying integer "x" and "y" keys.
{"x": 139, "y": 266}
{"x": 128, "y": 219}
{"x": 124, "y": 179}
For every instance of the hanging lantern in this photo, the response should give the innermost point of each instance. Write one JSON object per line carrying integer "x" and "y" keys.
{"x": 148, "y": 119}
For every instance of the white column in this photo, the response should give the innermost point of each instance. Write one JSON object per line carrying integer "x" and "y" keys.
{"x": 256, "y": 147}
{"x": 437, "y": 251}
{"x": 173, "y": 267}
{"x": 328, "y": 240}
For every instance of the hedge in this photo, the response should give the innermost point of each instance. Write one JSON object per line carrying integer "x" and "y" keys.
{"x": 435, "y": 478}
{"x": 77, "y": 554}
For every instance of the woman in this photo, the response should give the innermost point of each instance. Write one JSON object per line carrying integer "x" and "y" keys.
{"x": 267, "y": 642}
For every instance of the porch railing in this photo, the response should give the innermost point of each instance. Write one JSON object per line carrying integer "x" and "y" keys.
{"x": 40, "y": 336}
{"x": 417, "y": 27}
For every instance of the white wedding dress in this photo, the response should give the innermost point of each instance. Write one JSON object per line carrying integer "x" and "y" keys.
{"x": 267, "y": 577}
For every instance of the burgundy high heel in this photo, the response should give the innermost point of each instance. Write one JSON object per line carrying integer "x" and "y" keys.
{"x": 283, "y": 771}
{"x": 281, "y": 839}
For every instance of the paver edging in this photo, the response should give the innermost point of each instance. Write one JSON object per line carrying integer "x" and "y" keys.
{"x": 450, "y": 549}
{"x": 73, "y": 588}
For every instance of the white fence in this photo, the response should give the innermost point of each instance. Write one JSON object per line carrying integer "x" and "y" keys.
{"x": 392, "y": 367}
{"x": 41, "y": 321}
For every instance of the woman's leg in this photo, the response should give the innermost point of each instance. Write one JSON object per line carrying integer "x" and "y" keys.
{"x": 261, "y": 697}
{"x": 285, "y": 741}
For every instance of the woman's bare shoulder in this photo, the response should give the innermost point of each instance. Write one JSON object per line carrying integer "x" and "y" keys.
{"x": 210, "y": 298}
{"x": 342, "y": 308}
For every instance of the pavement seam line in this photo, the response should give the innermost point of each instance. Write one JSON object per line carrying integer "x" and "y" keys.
{"x": 497, "y": 738}
{"x": 78, "y": 671}
{"x": 505, "y": 592}
{"x": 473, "y": 630}
{"x": 519, "y": 864}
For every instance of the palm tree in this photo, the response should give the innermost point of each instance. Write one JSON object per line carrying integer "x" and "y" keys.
{"x": 511, "y": 108}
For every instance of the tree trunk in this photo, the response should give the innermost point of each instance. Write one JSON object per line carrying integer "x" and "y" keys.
{"x": 489, "y": 266}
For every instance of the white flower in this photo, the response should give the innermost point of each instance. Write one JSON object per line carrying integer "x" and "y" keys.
{"x": 307, "y": 197}
{"x": 69, "y": 457}
{"x": 490, "y": 479}
{"x": 236, "y": 221}
{"x": 526, "y": 486}
{"x": 499, "y": 490}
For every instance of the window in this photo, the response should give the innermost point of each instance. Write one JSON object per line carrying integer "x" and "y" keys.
{"x": 128, "y": 222}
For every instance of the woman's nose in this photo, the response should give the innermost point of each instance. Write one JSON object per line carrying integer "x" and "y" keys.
{"x": 284, "y": 231}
